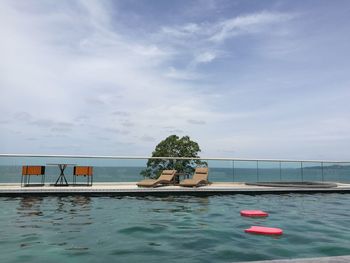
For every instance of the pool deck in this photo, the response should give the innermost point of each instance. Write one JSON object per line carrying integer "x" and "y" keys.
{"x": 131, "y": 189}
{"x": 337, "y": 259}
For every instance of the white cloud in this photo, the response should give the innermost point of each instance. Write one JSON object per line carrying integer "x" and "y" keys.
{"x": 203, "y": 41}
{"x": 220, "y": 31}
{"x": 205, "y": 57}
{"x": 186, "y": 74}
{"x": 251, "y": 23}
{"x": 186, "y": 30}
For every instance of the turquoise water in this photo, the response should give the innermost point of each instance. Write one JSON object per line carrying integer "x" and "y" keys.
{"x": 171, "y": 229}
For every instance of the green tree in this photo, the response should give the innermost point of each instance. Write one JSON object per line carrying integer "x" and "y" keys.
{"x": 173, "y": 146}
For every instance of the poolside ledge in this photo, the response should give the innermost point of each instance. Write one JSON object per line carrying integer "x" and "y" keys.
{"x": 337, "y": 259}
{"x": 130, "y": 188}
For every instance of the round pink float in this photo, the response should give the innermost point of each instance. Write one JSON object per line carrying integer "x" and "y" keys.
{"x": 254, "y": 213}
{"x": 261, "y": 230}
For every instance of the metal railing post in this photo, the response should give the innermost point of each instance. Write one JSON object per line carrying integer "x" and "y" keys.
{"x": 302, "y": 172}
{"x": 257, "y": 170}
{"x": 280, "y": 171}
{"x": 233, "y": 170}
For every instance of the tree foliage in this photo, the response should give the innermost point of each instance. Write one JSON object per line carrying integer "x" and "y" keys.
{"x": 173, "y": 146}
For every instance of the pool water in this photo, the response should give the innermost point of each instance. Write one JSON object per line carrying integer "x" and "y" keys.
{"x": 171, "y": 229}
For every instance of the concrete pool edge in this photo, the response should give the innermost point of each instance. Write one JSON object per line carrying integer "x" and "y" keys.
{"x": 335, "y": 259}
{"x": 130, "y": 189}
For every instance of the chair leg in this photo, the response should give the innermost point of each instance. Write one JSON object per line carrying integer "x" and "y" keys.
{"x": 89, "y": 180}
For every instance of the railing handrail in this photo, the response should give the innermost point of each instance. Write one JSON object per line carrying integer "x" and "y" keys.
{"x": 169, "y": 158}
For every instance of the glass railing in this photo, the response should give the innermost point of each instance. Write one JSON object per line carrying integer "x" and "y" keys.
{"x": 128, "y": 169}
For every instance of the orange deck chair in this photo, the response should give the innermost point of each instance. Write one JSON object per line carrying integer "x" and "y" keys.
{"x": 86, "y": 171}
{"x": 30, "y": 170}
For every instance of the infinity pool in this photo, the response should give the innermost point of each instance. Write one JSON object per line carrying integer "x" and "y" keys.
{"x": 171, "y": 229}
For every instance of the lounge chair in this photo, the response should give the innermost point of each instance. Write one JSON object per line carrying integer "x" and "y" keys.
{"x": 199, "y": 178}
{"x": 166, "y": 177}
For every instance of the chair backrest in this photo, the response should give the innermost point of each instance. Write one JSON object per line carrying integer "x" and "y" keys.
{"x": 33, "y": 170}
{"x": 201, "y": 173}
{"x": 167, "y": 175}
{"x": 83, "y": 170}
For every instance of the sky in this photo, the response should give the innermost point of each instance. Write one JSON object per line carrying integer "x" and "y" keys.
{"x": 244, "y": 79}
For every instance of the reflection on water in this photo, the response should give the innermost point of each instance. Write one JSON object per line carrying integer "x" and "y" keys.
{"x": 72, "y": 211}
{"x": 81, "y": 201}
{"x": 71, "y": 204}
{"x": 178, "y": 204}
{"x": 66, "y": 216}
{"x": 30, "y": 206}
{"x": 29, "y": 214}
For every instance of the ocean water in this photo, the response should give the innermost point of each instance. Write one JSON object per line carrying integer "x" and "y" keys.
{"x": 171, "y": 229}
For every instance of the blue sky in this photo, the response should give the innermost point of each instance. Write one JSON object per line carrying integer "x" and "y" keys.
{"x": 254, "y": 79}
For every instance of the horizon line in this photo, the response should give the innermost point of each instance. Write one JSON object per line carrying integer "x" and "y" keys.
{"x": 166, "y": 157}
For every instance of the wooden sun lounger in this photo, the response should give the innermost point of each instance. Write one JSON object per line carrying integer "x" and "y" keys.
{"x": 199, "y": 178}
{"x": 167, "y": 177}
